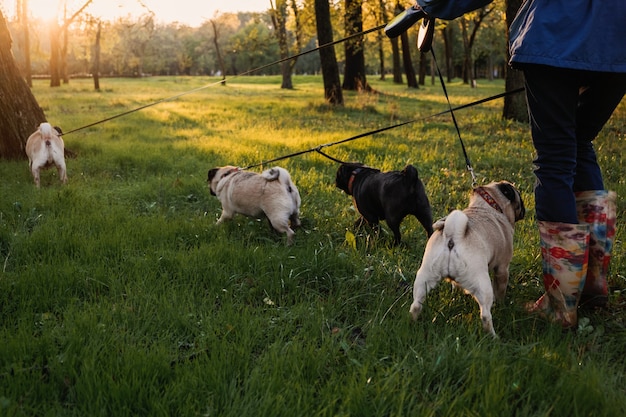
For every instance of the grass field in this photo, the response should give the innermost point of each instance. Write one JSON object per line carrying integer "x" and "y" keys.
{"x": 119, "y": 296}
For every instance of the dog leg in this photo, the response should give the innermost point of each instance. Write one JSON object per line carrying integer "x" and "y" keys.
{"x": 226, "y": 215}
{"x": 483, "y": 294}
{"x": 395, "y": 228}
{"x": 282, "y": 226}
{"x": 427, "y": 224}
{"x": 424, "y": 282}
{"x": 500, "y": 282}
{"x": 62, "y": 172}
{"x": 35, "y": 172}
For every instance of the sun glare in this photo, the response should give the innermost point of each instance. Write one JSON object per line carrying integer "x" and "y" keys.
{"x": 42, "y": 9}
{"x": 190, "y": 12}
{"x": 49, "y": 10}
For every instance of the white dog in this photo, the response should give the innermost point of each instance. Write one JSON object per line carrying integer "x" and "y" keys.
{"x": 467, "y": 244}
{"x": 271, "y": 194}
{"x": 44, "y": 149}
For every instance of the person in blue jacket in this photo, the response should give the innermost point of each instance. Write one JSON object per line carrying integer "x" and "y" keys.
{"x": 573, "y": 56}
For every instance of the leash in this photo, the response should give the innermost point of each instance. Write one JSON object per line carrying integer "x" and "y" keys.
{"x": 319, "y": 148}
{"x": 468, "y": 163}
{"x": 174, "y": 97}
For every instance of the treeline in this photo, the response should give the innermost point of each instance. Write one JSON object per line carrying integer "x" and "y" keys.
{"x": 473, "y": 46}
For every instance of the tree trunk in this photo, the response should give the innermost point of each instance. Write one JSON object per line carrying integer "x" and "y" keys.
{"x": 19, "y": 112}
{"x": 63, "y": 58}
{"x": 514, "y": 105}
{"x": 299, "y": 33}
{"x": 409, "y": 70}
{"x": 395, "y": 49}
{"x": 382, "y": 19}
{"x": 279, "y": 17}
{"x": 397, "y": 68}
{"x": 55, "y": 67}
{"x": 58, "y": 52}
{"x": 330, "y": 69}
{"x": 467, "y": 54}
{"x": 220, "y": 60}
{"x": 27, "y": 71}
{"x": 422, "y": 68}
{"x": 354, "y": 72}
{"x": 446, "y": 32}
{"x": 96, "y": 58}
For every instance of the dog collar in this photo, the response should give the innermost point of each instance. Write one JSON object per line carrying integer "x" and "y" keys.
{"x": 488, "y": 198}
{"x": 351, "y": 179}
{"x": 231, "y": 171}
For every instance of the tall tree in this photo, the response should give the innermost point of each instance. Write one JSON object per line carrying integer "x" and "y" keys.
{"x": 328, "y": 59}
{"x": 380, "y": 13}
{"x": 470, "y": 23}
{"x": 514, "y": 105}
{"x": 354, "y": 77}
{"x": 447, "y": 32}
{"x": 19, "y": 112}
{"x": 279, "y": 20}
{"x": 423, "y": 66}
{"x": 218, "y": 53}
{"x": 409, "y": 70}
{"x": 58, "y": 52}
{"x": 395, "y": 50}
{"x": 23, "y": 16}
{"x": 298, "y": 33}
{"x": 95, "y": 70}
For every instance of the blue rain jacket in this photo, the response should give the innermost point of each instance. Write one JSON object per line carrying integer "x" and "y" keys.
{"x": 577, "y": 34}
{"x": 448, "y": 10}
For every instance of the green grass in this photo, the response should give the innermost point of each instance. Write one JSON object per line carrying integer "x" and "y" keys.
{"x": 120, "y": 296}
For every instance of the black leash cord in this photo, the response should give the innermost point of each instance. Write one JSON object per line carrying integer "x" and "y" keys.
{"x": 468, "y": 164}
{"x": 280, "y": 61}
{"x": 382, "y": 129}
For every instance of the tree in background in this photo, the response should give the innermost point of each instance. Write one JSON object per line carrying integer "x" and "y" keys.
{"x": 279, "y": 19}
{"x": 58, "y": 51}
{"x": 470, "y": 23}
{"x": 514, "y": 105}
{"x": 95, "y": 69}
{"x": 409, "y": 70}
{"x": 19, "y": 112}
{"x": 380, "y": 15}
{"x": 330, "y": 69}
{"x": 22, "y": 12}
{"x": 354, "y": 77}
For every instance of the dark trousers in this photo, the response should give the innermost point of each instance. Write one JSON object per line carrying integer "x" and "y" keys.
{"x": 567, "y": 109}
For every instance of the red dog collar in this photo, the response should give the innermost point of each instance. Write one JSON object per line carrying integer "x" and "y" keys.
{"x": 351, "y": 179}
{"x": 488, "y": 198}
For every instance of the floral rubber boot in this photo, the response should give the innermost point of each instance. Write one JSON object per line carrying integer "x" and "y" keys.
{"x": 564, "y": 254}
{"x": 597, "y": 208}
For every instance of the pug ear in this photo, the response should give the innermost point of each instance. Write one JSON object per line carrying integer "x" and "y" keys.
{"x": 212, "y": 173}
{"x": 508, "y": 191}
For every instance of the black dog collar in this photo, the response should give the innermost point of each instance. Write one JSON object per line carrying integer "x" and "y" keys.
{"x": 488, "y": 198}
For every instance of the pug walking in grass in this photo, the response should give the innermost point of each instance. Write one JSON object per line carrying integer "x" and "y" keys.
{"x": 271, "y": 194}
{"x": 389, "y": 196}
{"x": 468, "y": 244}
{"x": 45, "y": 149}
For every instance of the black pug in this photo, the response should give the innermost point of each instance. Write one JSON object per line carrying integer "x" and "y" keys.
{"x": 389, "y": 196}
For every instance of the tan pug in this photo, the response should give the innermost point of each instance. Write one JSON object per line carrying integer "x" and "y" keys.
{"x": 271, "y": 194}
{"x": 45, "y": 148}
{"x": 468, "y": 244}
